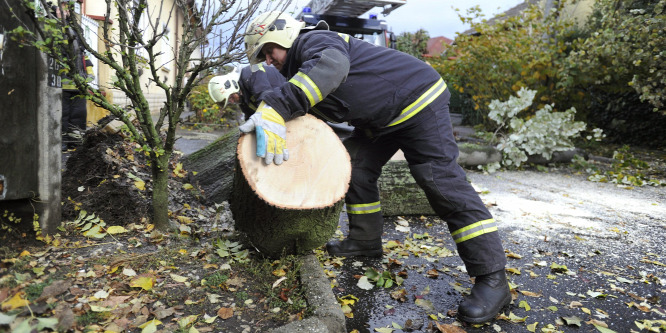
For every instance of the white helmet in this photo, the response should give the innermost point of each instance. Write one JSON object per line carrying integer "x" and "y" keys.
{"x": 222, "y": 86}
{"x": 272, "y": 27}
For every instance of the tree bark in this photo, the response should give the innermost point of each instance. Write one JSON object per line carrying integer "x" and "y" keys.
{"x": 160, "y": 202}
{"x": 214, "y": 167}
{"x": 294, "y": 207}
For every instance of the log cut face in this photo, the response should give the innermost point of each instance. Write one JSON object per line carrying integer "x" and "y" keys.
{"x": 293, "y": 207}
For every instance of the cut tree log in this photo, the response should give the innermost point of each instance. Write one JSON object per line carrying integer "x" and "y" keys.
{"x": 294, "y": 207}
{"x": 214, "y": 167}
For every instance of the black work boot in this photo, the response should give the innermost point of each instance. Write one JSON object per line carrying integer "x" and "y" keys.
{"x": 352, "y": 247}
{"x": 489, "y": 295}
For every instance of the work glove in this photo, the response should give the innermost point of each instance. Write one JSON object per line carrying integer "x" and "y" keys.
{"x": 271, "y": 134}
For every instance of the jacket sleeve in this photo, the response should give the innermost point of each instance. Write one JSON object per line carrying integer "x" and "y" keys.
{"x": 324, "y": 65}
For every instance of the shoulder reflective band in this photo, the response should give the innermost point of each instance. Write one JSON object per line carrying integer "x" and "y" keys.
{"x": 257, "y": 67}
{"x": 364, "y": 208}
{"x": 474, "y": 230}
{"x": 344, "y": 36}
{"x": 308, "y": 86}
{"x": 420, "y": 103}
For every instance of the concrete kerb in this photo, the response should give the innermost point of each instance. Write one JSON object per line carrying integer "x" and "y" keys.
{"x": 328, "y": 316}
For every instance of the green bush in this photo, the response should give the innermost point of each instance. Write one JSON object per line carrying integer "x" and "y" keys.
{"x": 524, "y": 51}
{"x": 625, "y": 50}
{"x": 415, "y": 44}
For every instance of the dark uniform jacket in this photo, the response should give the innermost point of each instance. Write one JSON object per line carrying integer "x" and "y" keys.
{"x": 344, "y": 79}
{"x": 255, "y": 80}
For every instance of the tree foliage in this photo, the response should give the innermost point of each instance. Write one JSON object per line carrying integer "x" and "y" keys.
{"x": 415, "y": 44}
{"x": 625, "y": 49}
{"x": 610, "y": 69}
{"x": 518, "y": 52}
{"x": 210, "y": 36}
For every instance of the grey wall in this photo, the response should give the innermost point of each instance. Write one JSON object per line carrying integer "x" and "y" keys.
{"x": 30, "y": 114}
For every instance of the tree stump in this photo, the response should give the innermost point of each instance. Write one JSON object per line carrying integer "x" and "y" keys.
{"x": 294, "y": 207}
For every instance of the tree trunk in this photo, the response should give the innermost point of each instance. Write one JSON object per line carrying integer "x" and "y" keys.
{"x": 161, "y": 195}
{"x": 214, "y": 167}
{"x": 294, "y": 207}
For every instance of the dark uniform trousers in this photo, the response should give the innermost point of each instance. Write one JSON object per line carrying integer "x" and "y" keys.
{"x": 73, "y": 111}
{"x": 431, "y": 151}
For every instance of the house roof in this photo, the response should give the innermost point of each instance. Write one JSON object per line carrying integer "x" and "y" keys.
{"x": 437, "y": 46}
{"x": 515, "y": 11}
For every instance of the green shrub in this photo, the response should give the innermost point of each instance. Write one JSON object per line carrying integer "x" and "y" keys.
{"x": 625, "y": 50}
{"x": 543, "y": 134}
{"x": 524, "y": 51}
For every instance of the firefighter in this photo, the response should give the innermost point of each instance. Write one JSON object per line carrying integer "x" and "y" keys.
{"x": 245, "y": 86}
{"x": 394, "y": 101}
{"x": 74, "y": 110}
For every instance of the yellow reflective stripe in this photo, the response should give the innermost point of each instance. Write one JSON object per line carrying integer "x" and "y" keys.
{"x": 344, "y": 36}
{"x": 420, "y": 103}
{"x": 474, "y": 230}
{"x": 308, "y": 86}
{"x": 367, "y": 208}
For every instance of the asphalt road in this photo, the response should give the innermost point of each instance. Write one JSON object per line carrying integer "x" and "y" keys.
{"x": 580, "y": 254}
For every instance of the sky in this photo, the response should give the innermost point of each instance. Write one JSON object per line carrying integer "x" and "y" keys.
{"x": 437, "y": 17}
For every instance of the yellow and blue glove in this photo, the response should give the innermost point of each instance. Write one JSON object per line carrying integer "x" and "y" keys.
{"x": 271, "y": 134}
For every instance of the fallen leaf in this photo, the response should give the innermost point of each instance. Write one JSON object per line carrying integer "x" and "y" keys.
{"x": 573, "y": 320}
{"x": 523, "y": 304}
{"x": 154, "y": 322}
{"x": 529, "y": 293}
{"x": 5, "y": 319}
{"x": 178, "y": 278}
{"x": 364, "y": 283}
{"x": 17, "y": 301}
{"x": 384, "y": 330}
{"x": 225, "y": 313}
{"x": 448, "y": 328}
{"x": 532, "y": 327}
{"x": 129, "y": 272}
{"x": 116, "y": 229}
{"x": 512, "y": 270}
{"x": 54, "y": 289}
{"x": 143, "y": 282}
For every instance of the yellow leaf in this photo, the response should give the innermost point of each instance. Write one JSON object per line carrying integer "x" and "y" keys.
{"x": 143, "y": 282}
{"x": 178, "y": 278}
{"x": 279, "y": 272}
{"x": 513, "y": 270}
{"x": 187, "y": 186}
{"x": 140, "y": 184}
{"x": 187, "y": 321}
{"x": 24, "y": 253}
{"x": 530, "y": 294}
{"x": 184, "y": 219}
{"x": 150, "y": 327}
{"x": 15, "y": 302}
{"x": 116, "y": 229}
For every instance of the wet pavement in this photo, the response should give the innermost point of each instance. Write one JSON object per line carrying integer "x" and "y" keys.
{"x": 580, "y": 254}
